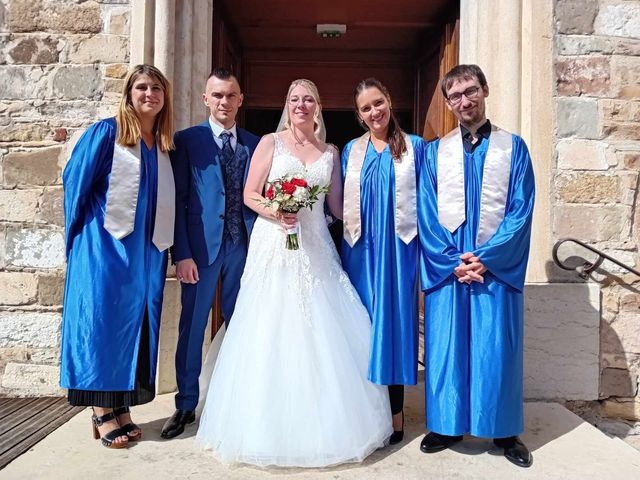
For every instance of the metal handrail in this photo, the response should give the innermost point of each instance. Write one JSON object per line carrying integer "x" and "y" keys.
{"x": 588, "y": 267}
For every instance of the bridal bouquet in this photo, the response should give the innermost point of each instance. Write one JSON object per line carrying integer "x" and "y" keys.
{"x": 290, "y": 194}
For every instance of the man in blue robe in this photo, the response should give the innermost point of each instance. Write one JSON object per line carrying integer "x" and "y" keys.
{"x": 475, "y": 205}
{"x": 210, "y": 164}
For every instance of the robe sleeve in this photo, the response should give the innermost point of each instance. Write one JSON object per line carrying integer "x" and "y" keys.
{"x": 181, "y": 249}
{"x": 89, "y": 162}
{"x": 344, "y": 159}
{"x": 506, "y": 253}
{"x": 438, "y": 252}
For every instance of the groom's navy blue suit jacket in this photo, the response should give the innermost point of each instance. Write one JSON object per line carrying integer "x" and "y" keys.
{"x": 200, "y": 195}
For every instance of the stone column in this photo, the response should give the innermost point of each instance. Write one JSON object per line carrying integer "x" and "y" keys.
{"x": 164, "y": 36}
{"x": 512, "y": 43}
{"x": 142, "y": 28}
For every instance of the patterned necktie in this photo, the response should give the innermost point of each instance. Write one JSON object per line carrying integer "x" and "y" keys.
{"x": 227, "y": 151}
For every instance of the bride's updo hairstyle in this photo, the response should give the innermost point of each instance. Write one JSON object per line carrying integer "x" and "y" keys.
{"x": 313, "y": 90}
{"x": 395, "y": 138}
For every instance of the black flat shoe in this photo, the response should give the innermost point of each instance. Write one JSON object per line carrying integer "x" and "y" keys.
{"x": 515, "y": 451}
{"x": 398, "y": 435}
{"x": 434, "y": 442}
{"x": 176, "y": 423}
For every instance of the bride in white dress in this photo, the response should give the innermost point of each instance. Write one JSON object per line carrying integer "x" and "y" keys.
{"x": 290, "y": 387}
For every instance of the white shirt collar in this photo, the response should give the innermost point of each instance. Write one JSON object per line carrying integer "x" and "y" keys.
{"x": 218, "y": 129}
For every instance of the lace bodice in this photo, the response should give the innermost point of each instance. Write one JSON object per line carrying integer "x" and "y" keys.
{"x": 318, "y": 173}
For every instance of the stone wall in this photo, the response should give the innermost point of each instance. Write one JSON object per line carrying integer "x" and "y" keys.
{"x": 62, "y": 64}
{"x": 596, "y": 185}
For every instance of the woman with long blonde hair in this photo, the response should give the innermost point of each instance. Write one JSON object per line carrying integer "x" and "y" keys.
{"x": 119, "y": 209}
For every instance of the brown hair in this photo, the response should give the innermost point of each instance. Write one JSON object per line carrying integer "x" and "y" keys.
{"x": 129, "y": 129}
{"x": 395, "y": 135}
{"x": 462, "y": 72}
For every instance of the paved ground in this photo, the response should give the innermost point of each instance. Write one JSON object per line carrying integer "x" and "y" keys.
{"x": 564, "y": 447}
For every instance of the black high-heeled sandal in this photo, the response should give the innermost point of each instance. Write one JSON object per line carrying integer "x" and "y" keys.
{"x": 398, "y": 435}
{"x": 129, "y": 427}
{"x": 107, "y": 440}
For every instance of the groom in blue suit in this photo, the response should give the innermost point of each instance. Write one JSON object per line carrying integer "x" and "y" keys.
{"x": 212, "y": 228}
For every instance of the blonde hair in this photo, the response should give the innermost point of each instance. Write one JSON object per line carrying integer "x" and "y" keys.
{"x": 129, "y": 129}
{"x": 313, "y": 90}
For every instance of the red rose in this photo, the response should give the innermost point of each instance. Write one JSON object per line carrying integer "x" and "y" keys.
{"x": 299, "y": 182}
{"x": 271, "y": 192}
{"x": 288, "y": 187}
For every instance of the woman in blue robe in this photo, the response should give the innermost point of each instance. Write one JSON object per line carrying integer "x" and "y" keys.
{"x": 380, "y": 249}
{"x": 119, "y": 207}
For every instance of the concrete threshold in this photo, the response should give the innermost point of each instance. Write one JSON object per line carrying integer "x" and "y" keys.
{"x": 564, "y": 447}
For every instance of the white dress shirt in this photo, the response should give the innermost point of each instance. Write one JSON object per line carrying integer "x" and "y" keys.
{"x": 218, "y": 129}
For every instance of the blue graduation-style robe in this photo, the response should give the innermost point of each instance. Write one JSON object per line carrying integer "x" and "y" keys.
{"x": 383, "y": 269}
{"x": 474, "y": 333}
{"x": 110, "y": 283}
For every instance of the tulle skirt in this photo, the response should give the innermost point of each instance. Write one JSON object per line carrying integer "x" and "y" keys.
{"x": 289, "y": 386}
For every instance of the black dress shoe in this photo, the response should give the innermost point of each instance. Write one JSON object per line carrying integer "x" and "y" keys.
{"x": 175, "y": 425}
{"x": 515, "y": 451}
{"x": 397, "y": 435}
{"x": 435, "y": 442}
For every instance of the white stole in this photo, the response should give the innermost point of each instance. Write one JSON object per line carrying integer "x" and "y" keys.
{"x": 495, "y": 182}
{"x": 122, "y": 196}
{"x": 406, "y": 219}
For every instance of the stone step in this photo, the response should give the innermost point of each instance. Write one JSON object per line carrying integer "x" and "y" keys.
{"x": 564, "y": 447}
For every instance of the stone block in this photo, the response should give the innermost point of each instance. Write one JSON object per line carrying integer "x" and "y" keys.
{"x": 54, "y": 16}
{"x": 35, "y": 248}
{"x": 34, "y": 50}
{"x": 561, "y": 348}
{"x": 3, "y": 246}
{"x": 114, "y": 85}
{"x": 577, "y": 117}
{"x": 612, "y": 130}
{"x": 97, "y": 48}
{"x": 119, "y": 22}
{"x": 618, "y": 19}
{"x": 586, "y": 75}
{"x": 51, "y": 209}
{"x": 23, "y": 132}
{"x": 575, "y": 17}
{"x": 13, "y": 82}
{"x": 76, "y": 82}
{"x": 629, "y": 409}
{"x": 587, "y": 44}
{"x": 631, "y": 161}
{"x": 36, "y": 167}
{"x": 18, "y": 205}
{"x": 29, "y": 329}
{"x": 116, "y": 70}
{"x": 630, "y": 302}
{"x": 574, "y": 154}
{"x": 17, "y": 288}
{"x": 588, "y": 188}
{"x": 617, "y": 382}
{"x": 625, "y": 77}
{"x": 627, "y": 330}
{"x": 32, "y": 380}
{"x": 620, "y": 110}
{"x": 50, "y": 289}
{"x": 602, "y": 223}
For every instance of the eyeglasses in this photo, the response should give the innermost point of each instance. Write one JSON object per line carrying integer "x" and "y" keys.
{"x": 470, "y": 93}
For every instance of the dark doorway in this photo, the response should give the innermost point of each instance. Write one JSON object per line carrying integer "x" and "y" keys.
{"x": 341, "y": 125}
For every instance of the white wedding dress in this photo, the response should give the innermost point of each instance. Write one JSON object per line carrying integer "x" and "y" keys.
{"x": 289, "y": 386}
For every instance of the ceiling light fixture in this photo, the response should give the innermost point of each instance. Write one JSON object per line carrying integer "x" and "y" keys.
{"x": 331, "y": 30}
